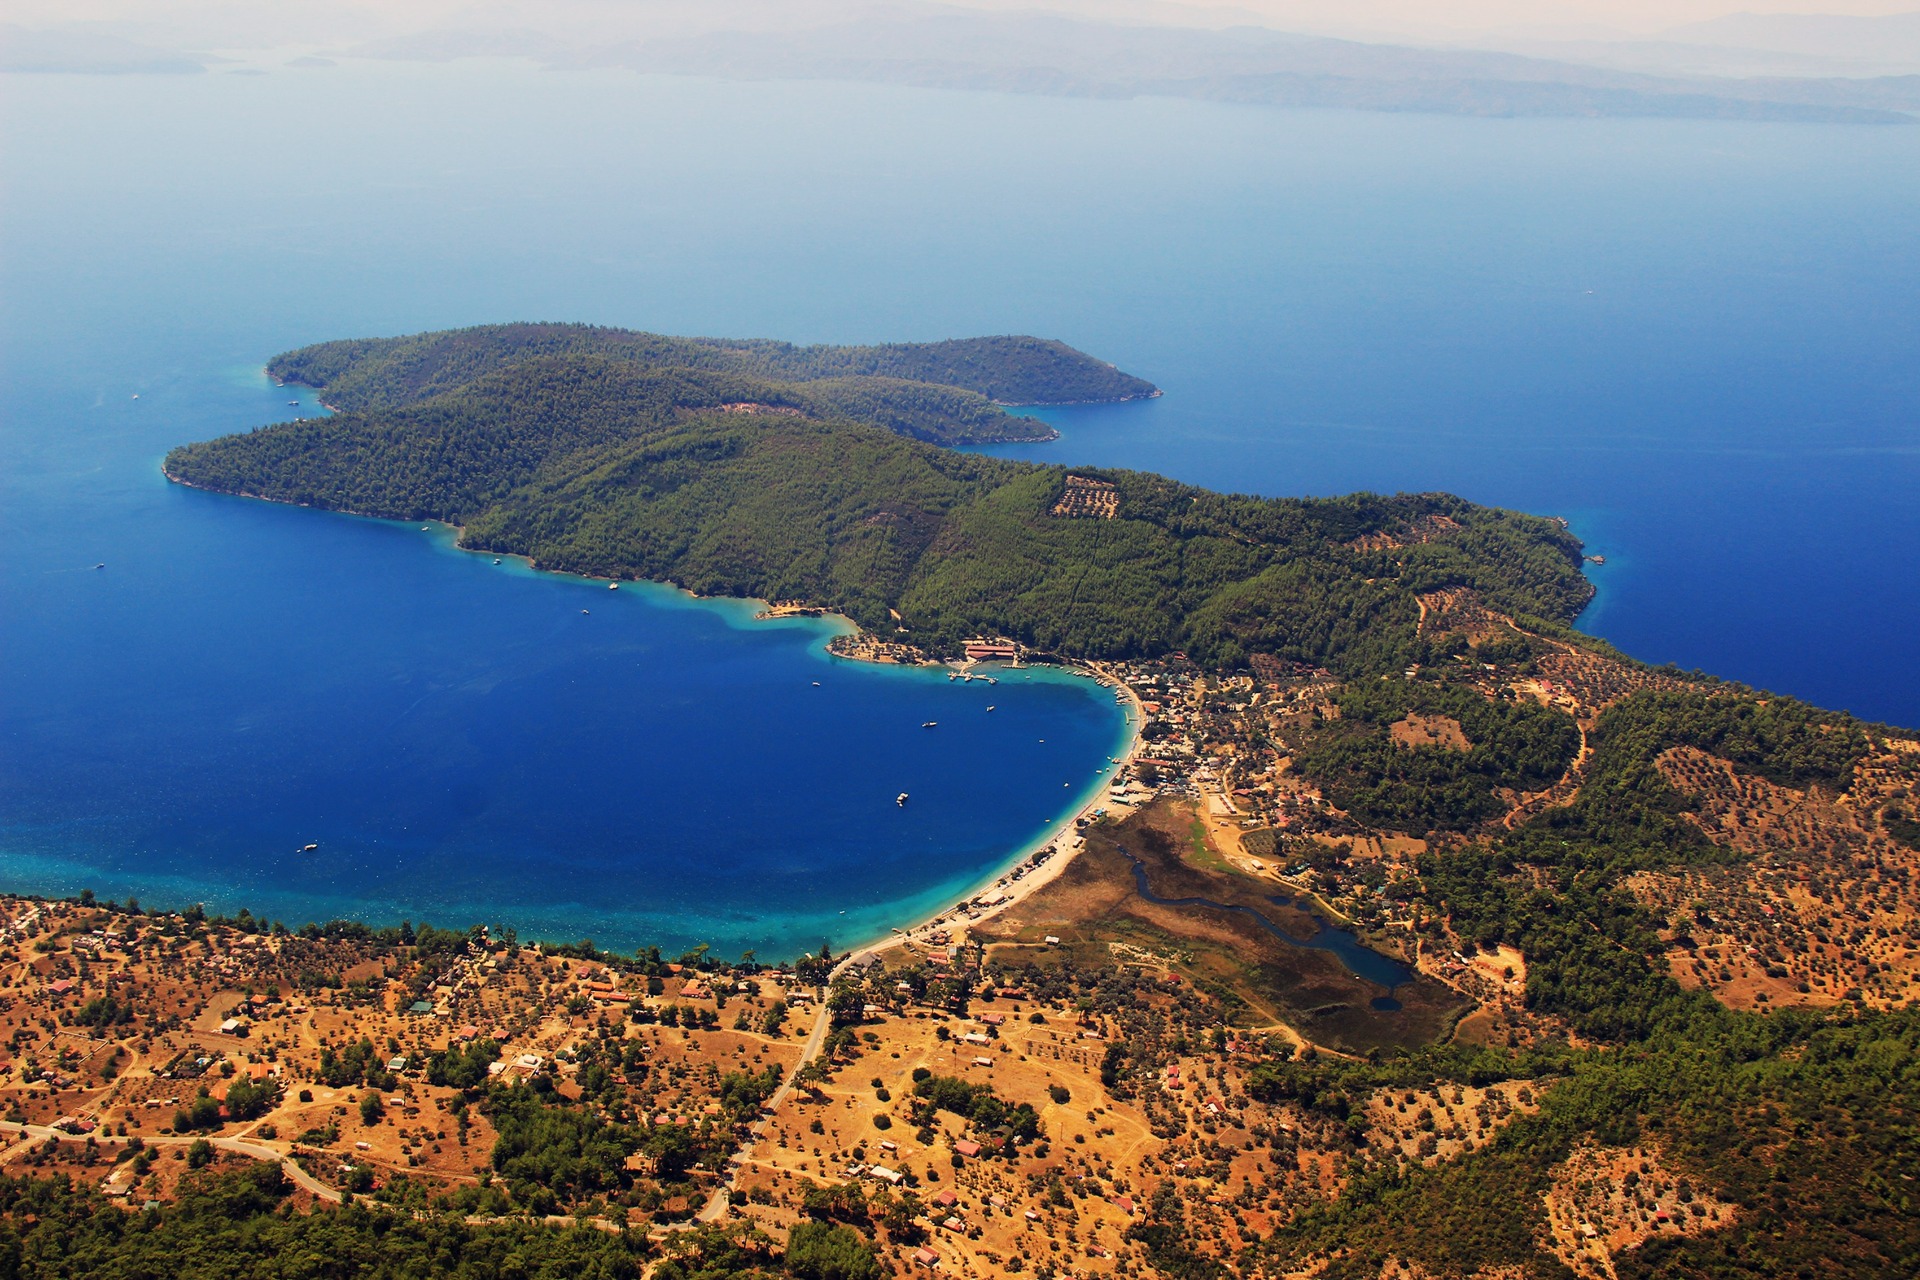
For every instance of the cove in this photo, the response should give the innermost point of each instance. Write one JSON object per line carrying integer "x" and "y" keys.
{"x": 466, "y": 742}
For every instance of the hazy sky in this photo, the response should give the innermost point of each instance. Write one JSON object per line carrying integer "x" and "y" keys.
{"x": 349, "y": 19}
{"x": 1631, "y": 15}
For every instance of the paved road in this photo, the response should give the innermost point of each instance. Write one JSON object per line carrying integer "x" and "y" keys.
{"x": 722, "y": 1197}
{"x": 238, "y": 1146}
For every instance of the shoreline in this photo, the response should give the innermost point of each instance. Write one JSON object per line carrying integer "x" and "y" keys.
{"x": 1062, "y": 834}
{"x": 1065, "y": 834}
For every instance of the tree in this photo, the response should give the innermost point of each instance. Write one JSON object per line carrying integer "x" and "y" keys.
{"x": 249, "y": 1101}
{"x": 845, "y": 1004}
{"x": 823, "y": 1251}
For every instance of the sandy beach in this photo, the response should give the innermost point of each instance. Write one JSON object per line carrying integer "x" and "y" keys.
{"x": 1064, "y": 837}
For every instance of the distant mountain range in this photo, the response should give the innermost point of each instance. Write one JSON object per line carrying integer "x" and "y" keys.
{"x": 75, "y": 50}
{"x": 1029, "y": 52}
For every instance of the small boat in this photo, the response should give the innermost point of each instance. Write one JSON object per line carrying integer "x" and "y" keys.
{"x": 901, "y": 799}
{"x": 136, "y": 395}
{"x": 613, "y": 586}
{"x": 989, "y": 708}
{"x": 294, "y": 403}
{"x": 586, "y": 611}
{"x": 496, "y": 559}
{"x": 929, "y": 724}
{"x": 309, "y": 848}
{"x": 426, "y": 528}
{"x": 992, "y": 680}
{"x": 101, "y": 565}
{"x": 816, "y": 684}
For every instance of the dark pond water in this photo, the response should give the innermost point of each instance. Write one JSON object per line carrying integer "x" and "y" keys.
{"x": 1360, "y": 960}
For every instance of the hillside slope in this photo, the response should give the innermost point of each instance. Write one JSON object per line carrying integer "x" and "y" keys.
{"x": 732, "y": 484}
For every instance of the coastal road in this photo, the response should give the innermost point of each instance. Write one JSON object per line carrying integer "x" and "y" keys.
{"x": 238, "y": 1146}
{"x": 722, "y": 1197}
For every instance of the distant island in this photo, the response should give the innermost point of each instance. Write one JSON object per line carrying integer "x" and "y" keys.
{"x": 390, "y": 373}
{"x": 813, "y": 475}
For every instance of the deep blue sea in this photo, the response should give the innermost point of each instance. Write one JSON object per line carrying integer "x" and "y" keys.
{"x": 1696, "y": 340}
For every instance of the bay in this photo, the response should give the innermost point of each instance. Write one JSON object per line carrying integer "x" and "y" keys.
{"x": 1692, "y": 338}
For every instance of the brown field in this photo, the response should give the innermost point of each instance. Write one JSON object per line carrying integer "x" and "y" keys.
{"x": 1826, "y": 906}
{"x": 1416, "y": 730}
{"x": 1426, "y": 1126}
{"x": 1606, "y": 1201}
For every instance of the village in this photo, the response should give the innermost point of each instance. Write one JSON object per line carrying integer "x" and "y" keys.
{"x": 1055, "y": 1076}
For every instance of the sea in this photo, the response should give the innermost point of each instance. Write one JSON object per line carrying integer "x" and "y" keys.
{"x": 1695, "y": 340}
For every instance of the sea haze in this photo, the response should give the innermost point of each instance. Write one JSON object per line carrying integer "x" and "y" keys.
{"x": 1693, "y": 338}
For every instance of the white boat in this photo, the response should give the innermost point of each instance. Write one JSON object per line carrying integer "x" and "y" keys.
{"x": 929, "y": 724}
{"x": 496, "y": 559}
{"x": 901, "y": 799}
{"x": 613, "y": 586}
{"x": 989, "y": 708}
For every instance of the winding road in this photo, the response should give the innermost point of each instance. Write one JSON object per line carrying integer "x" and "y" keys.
{"x": 722, "y": 1197}
{"x": 238, "y": 1146}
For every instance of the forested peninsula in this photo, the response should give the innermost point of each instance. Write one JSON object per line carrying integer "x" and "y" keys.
{"x": 1660, "y": 933}
{"x": 816, "y": 474}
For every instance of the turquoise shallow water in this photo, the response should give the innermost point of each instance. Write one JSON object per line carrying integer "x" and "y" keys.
{"x": 1695, "y": 339}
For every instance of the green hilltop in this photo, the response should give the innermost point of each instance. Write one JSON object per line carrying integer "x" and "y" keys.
{"x": 603, "y": 457}
{"x": 367, "y": 373}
